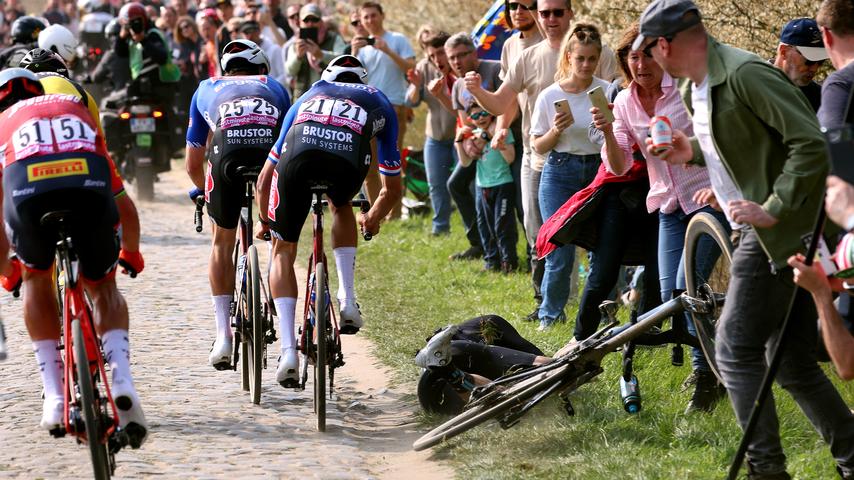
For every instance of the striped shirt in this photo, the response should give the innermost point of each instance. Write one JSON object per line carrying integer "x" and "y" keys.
{"x": 670, "y": 186}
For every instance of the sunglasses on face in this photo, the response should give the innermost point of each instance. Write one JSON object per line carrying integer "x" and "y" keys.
{"x": 557, "y": 12}
{"x": 647, "y": 50}
{"x": 479, "y": 115}
{"x": 311, "y": 20}
{"x": 807, "y": 62}
{"x": 185, "y": 26}
{"x": 355, "y": 23}
{"x": 513, "y": 6}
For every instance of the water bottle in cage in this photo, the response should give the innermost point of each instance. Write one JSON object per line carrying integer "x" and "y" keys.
{"x": 630, "y": 394}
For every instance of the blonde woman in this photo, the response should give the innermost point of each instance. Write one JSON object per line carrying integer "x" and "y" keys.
{"x": 572, "y": 159}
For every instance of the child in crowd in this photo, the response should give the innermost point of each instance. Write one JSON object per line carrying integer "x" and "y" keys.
{"x": 495, "y": 191}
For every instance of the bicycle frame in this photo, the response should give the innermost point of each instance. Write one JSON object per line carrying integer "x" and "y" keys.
{"x": 75, "y": 307}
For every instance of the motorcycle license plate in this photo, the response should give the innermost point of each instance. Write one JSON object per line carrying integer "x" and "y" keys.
{"x": 143, "y": 140}
{"x": 138, "y": 125}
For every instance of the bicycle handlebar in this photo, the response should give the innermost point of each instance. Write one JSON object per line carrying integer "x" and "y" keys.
{"x": 197, "y": 216}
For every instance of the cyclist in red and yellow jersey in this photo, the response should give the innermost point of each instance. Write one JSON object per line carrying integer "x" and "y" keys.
{"x": 53, "y": 158}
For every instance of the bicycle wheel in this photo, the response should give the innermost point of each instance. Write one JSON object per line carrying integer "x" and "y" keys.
{"x": 321, "y": 322}
{"x": 491, "y": 406}
{"x": 91, "y": 410}
{"x": 241, "y": 313}
{"x": 707, "y": 276}
{"x": 255, "y": 342}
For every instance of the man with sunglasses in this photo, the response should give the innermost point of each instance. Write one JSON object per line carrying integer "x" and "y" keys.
{"x": 533, "y": 70}
{"x": 800, "y": 54}
{"x": 292, "y": 12}
{"x": 760, "y": 140}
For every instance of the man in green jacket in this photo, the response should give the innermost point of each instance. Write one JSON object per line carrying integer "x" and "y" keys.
{"x": 759, "y": 138}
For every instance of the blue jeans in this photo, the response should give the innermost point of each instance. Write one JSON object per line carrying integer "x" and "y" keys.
{"x": 440, "y": 156}
{"x": 671, "y": 263}
{"x": 619, "y": 226}
{"x": 496, "y": 222}
{"x": 461, "y": 187}
{"x": 563, "y": 175}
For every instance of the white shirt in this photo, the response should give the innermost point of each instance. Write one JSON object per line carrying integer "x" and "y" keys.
{"x": 574, "y": 139}
{"x": 723, "y": 186}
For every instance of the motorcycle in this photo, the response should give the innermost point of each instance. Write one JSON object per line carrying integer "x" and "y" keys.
{"x": 139, "y": 135}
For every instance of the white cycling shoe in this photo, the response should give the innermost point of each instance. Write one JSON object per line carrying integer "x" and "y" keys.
{"x": 131, "y": 417}
{"x": 220, "y": 357}
{"x": 437, "y": 352}
{"x": 53, "y": 412}
{"x": 287, "y": 374}
{"x": 351, "y": 318}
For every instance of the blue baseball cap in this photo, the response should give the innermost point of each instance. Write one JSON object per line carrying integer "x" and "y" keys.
{"x": 803, "y": 34}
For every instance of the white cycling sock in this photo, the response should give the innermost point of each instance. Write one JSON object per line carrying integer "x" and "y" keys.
{"x": 222, "y": 307}
{"x": 286, "y": 308}
{"x": 117, "y": 353}
{"x": 345, "y": 262}
{"x": 50, "y": 367}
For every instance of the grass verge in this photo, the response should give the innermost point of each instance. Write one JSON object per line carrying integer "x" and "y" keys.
{"x": 408, "y": 288}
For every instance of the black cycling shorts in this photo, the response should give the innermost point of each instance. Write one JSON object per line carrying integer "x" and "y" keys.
{"x": 292, "y": 181}
{"x": 92, "y": 228}
{"x": 224, "y": 189}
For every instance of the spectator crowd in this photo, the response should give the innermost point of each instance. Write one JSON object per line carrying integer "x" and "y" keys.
{"x": 523, "y": 142}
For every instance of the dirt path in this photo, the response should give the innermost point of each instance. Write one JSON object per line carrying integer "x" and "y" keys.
{"x": 202, "y": 423}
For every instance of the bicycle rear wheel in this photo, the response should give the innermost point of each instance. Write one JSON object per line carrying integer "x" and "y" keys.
{"x": 89, "y": 404}
{"x": 255, "y": 322}
{"x": 321, "y": 322}
{"x": 491, "y": 406}
{"x": 707, "y": 276}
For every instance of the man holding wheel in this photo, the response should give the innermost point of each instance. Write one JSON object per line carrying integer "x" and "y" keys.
{"x": 326, "y": 139}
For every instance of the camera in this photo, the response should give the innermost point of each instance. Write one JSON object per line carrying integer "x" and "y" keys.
{"x": 371, "y": 41}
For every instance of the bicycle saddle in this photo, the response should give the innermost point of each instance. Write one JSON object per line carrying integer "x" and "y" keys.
{"x": 55, "y": 217}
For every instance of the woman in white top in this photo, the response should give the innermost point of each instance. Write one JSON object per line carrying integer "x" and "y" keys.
{"x": 572, "y": 159}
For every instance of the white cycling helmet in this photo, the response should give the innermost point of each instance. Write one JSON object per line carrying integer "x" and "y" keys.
{"x": 243, "y": 54}
{"x": 60, "y": 40}
{"x": 344, "y": 64}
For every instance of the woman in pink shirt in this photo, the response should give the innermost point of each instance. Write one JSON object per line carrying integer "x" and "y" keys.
{"x": 677, "y": 192}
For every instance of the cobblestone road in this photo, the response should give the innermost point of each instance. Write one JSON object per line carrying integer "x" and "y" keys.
{"x": 202, "y": 424}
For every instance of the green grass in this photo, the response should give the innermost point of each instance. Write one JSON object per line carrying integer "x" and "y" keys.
{"x": 408, "y": 287}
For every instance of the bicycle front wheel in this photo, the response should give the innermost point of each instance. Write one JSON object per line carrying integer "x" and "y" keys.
{"x": 708, "y": 259}
{"x": 255, "y": 342}
{"x": 321, "y": 322}
{"x": 499, "y": 404}
{"x": 89, "y": 405}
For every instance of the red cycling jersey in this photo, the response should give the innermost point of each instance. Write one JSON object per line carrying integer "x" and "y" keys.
{"x": 54, "y": 127}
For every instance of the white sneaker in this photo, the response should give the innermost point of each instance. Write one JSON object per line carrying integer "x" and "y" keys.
{"x": 131, "y": 417}
{"x": 53, "y": 411}
{"x": 351, "y": 318}
{"x": 437, "y": 352}
{"x": 287, "y": 374}
{"x": 220, "y": 357}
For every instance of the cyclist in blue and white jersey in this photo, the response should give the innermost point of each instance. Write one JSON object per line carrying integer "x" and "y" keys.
{"x": 326, "y": 139}
{"x": 240, "y": 114}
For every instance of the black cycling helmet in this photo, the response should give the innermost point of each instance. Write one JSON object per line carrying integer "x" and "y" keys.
{"x": 26, "y": 29}
{"x": 345, "y": 68}
{"x": 40, "y": 60}
{"x": 18, "y": 84}
{"x": 436, "y": 393}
